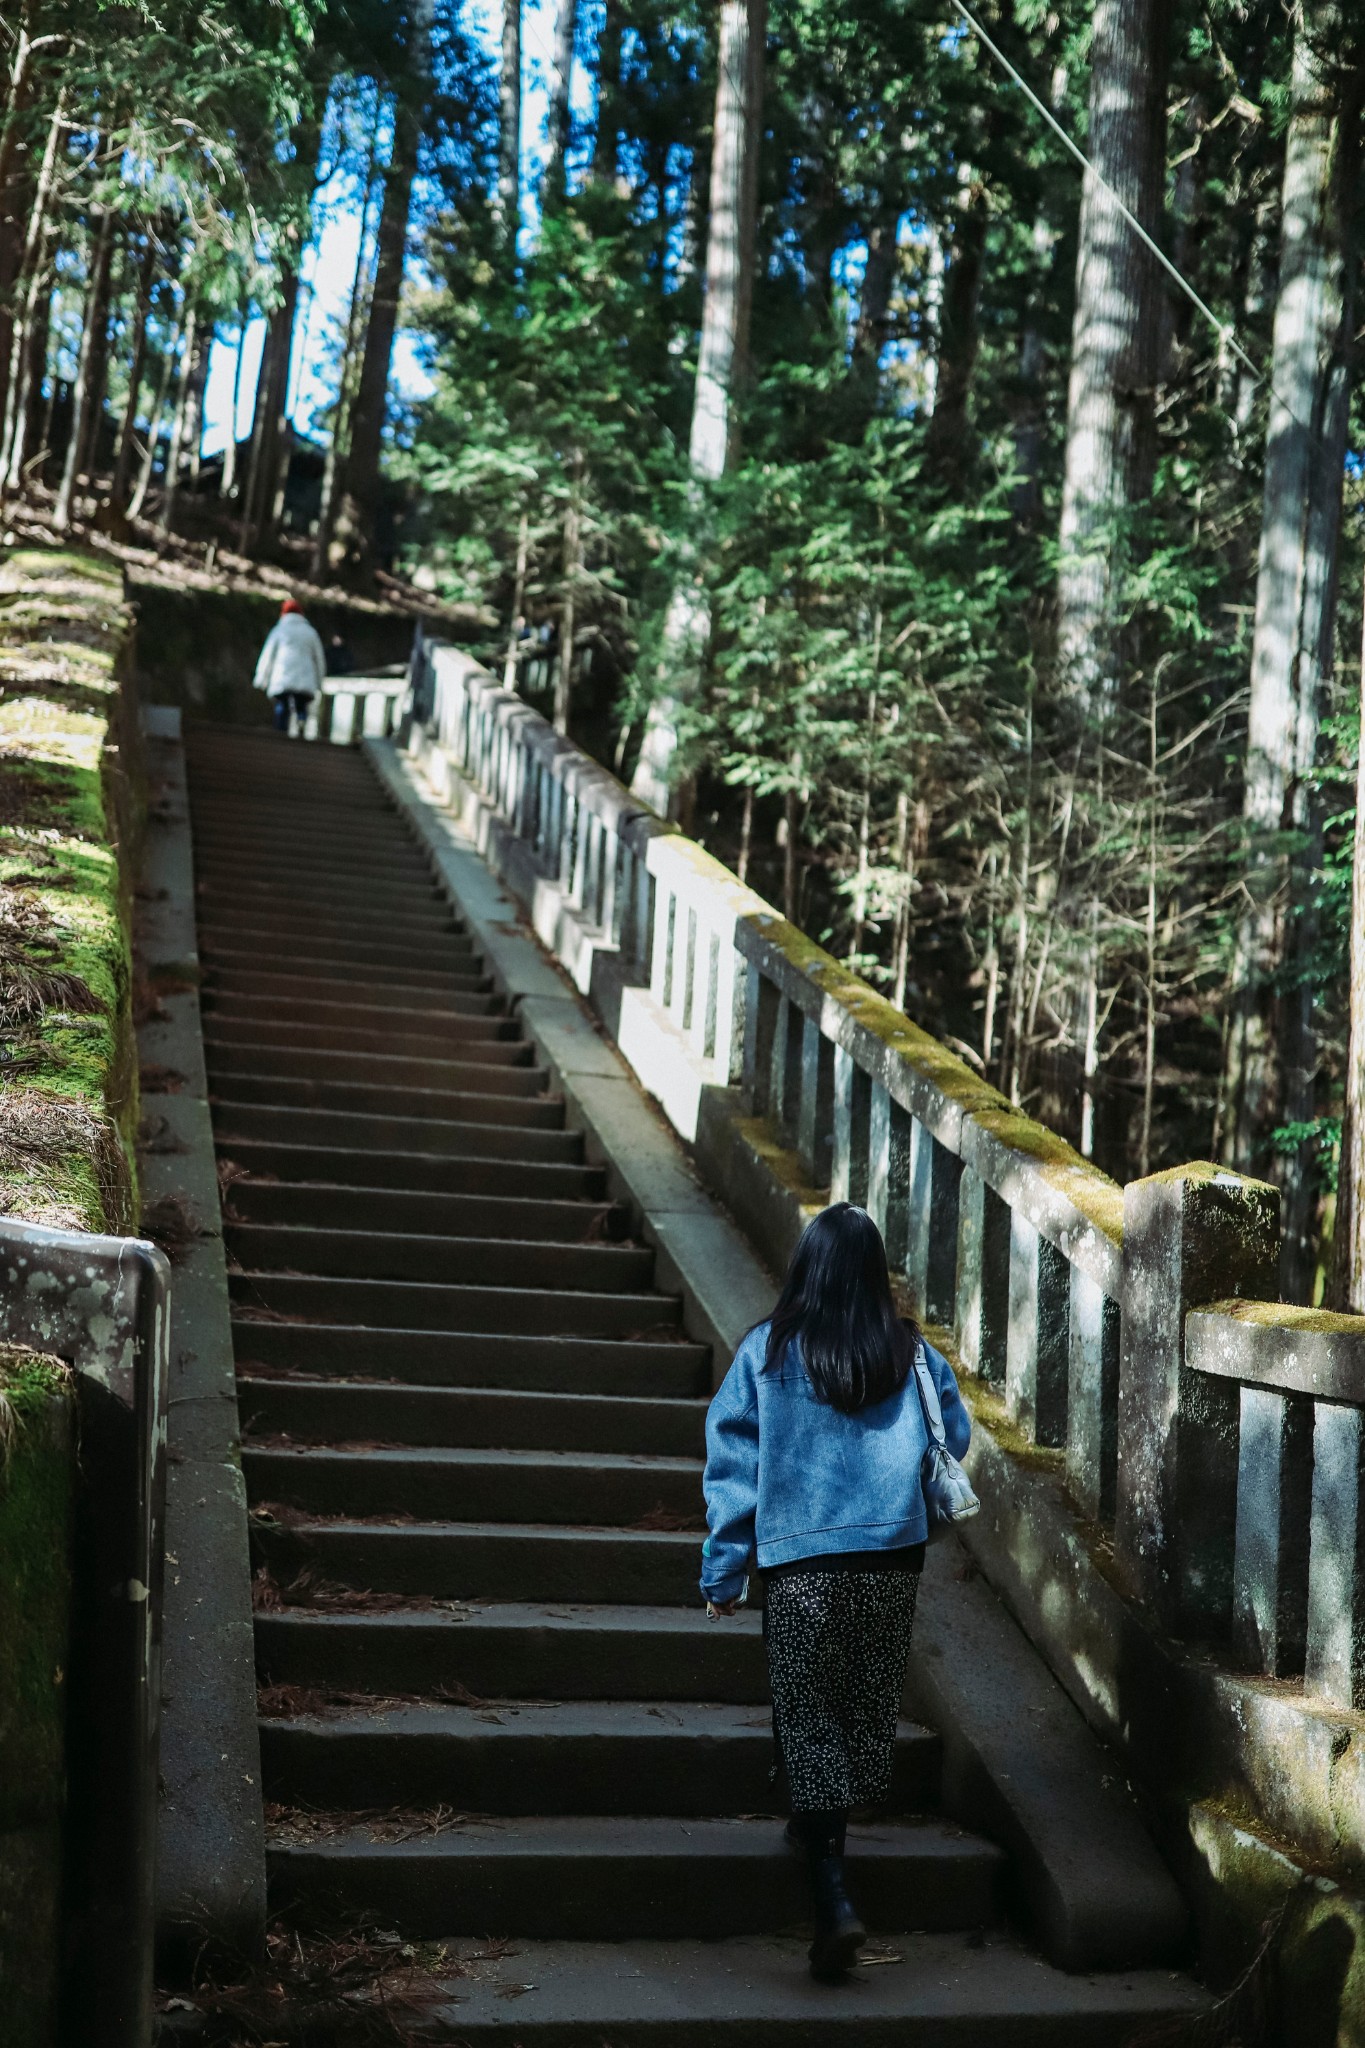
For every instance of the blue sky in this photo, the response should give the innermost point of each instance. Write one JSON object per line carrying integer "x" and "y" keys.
{"x": 329, "y": 263}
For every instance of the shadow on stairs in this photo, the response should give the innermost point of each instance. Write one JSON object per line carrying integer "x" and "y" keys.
{"x": 502, "y": 1746}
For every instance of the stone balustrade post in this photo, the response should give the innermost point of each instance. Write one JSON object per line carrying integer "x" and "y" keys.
{"x": 1037, "y": 1349}
{"x": 888, "y": 1177}
{"x": 1092, "y": 1404}
{"x": 1191, "y": 1235}
{"x": 935, "y": 1196}
{"x": 762, "y": 1011}
{"x": 852, "y": 1111}
{"x": 815, "y": 1112}
{"x": 983, "y": 1276}
{"x": 1270, "y": 1555}
{"x": 784, "y": 1091}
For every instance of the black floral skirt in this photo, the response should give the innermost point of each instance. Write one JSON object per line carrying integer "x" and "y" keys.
{"x": 837, "y": 1648}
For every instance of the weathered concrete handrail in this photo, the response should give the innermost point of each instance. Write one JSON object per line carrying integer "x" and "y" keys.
{"x": 1070, "y": 1292}
{"x": 377, "y": 699}
{"x": 102, "y": 1304}
{"x": 1001, "y": 1229}
{"x": 1298, "y": 1574}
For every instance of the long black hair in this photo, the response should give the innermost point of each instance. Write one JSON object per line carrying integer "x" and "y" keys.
{"x": 837, "y": 1299}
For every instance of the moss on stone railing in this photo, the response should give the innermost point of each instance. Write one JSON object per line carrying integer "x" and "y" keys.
{"x": 70, "y": 803}
{"x": 68, "y": 811}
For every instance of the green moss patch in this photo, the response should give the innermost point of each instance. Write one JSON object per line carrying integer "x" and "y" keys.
{"x": 68, "y": 1092}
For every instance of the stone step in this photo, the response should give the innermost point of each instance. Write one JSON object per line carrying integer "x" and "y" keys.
{"x": 914, "y": 1990}
{"x": 588, "y": 1757}
{"x": 478, "y": 1179}
{"x": 483, "y": 1040}
{"x": 465, "y": 1021}
{"x": 235, "y": 1117}
{"x": 254, "y": 830}
{"x": 309, "y": 914}
{"x": 290, "y": 801}
{"x": 599, "y": 1487}
{"x": 326, "y": 949}
{"x": 478, "y": 1418}
{"x": 249, "y": 817}
{"x": 347, "y": 892}
{"x": 412, "y": 1305}
{"x": 515, "y": 1650}
{"x": 308, "y": 972}
{"x": 487, "y": 1101}
{"x": 503, "y": 1561}
{"x": 388, "y": 866}
{"x": 590, "y": 1878}
{"x": 665, "y": 1367}
{"x": 312, "y": 911}
{"x": 267, "y": 843}
{"x": 306, "y": 993}
{"x": 407, "y": 1209}
{"x": 451, "y": 1074}
{"x": 443, "y": 1261}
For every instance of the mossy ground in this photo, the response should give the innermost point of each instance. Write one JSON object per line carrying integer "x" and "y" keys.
{"x": 68, "y": 1096}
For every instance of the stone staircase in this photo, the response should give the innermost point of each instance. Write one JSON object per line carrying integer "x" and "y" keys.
{"x": 493, "y": 1713}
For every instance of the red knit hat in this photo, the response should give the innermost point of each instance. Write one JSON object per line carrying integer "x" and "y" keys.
{"x": 291, "y": 604}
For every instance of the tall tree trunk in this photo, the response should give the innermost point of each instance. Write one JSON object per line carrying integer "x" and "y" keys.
{"x": 1030, "y": 408}
{"x": 39, "y": 426}
{"x": 1270, "y": 1057}
{"x": 358, "y": 509}
{"x": 94, "y": 337}
{"x": 517, "y": 624}
{"x": 194, "y": 417}
{"x": 1348, "y": 1243}
{"x": 1111, "y": 427}
{"x": 16, "y": 184}
{"x": 509, "y": 125}
{"x": 959, "y": 332}
{"x": 607, "y": 136}
{"x": 361, "y": 283}
{"x": 180, "y": 424}
{"x": 99, "y": 372}
{"x": 154, "y": 425}
{"x": 21, "y": 386}
{"x": 713, "y": 443}
{"x": 137, "y": 358}
{"x": 561, "y": 102}
{"x": 267, "y": 429}
{"x": 723, "y": 358}
{"x": 568, "y": 617}
{"x": 1110, "y": 441}
{"x": 874, "y": 300}
{"x": 227, "y": 482}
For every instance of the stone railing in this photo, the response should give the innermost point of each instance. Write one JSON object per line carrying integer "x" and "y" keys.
{"x": 353, "y": 708}
{"x": 102, "y": 1304}
{"x": 1085, "y": 1305}
{"x": 1298, "y": 1486}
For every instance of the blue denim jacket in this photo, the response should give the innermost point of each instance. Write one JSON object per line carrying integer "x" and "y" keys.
{"x": 788, "y": 1477}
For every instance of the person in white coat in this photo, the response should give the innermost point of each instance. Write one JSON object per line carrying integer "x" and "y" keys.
{"x": 292, "y": 666}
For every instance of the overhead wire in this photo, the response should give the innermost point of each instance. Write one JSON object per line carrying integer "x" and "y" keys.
{"x": 1223, "y": 328}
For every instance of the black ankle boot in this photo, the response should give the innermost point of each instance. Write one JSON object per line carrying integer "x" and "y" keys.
{"x": 839, "y": 1933}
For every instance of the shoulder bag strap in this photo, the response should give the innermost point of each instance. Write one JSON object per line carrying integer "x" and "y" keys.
{"x": 928, "y": 1394}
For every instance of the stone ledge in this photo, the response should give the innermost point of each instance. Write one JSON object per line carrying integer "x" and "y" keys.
{"x": 1273, "y": 1344}
{"x": 211, "y": 1828}
{"x": 1020, "y": 1764}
